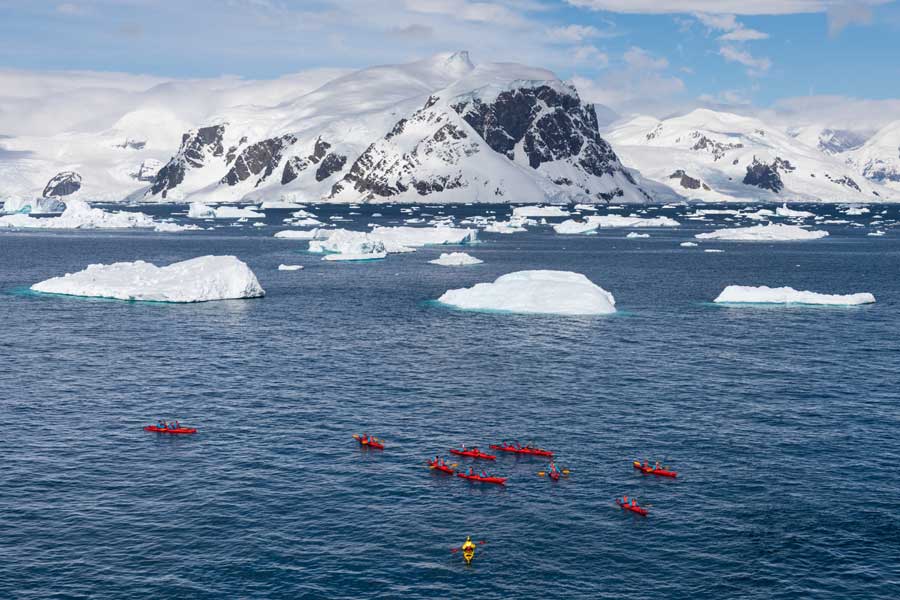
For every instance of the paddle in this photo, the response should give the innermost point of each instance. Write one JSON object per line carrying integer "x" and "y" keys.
{"x": 480, "y": 543}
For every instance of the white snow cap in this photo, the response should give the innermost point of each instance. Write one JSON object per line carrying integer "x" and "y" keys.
{"x": 541, "y": 292}
{"x": 455, "y": 259}
{"x": 764, "y": 233}
{"x": 787, "y": 295}
{"x": 199, "y": 279}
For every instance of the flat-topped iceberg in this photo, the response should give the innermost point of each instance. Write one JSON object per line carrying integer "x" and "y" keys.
{"x": 236, "y": 212}
{"x": 785, "y": 295}
{"x": 355, "y": 256}
{"x": 539, "y": 292}
{"x": 413, "y": 237}
{"x": 344, "y": 241}
{"x": 539, "y": 211}
{"x": 455, "y": 259}
{"x": 764, "y": 233}
{"x": 80, "y": 215}
{"x": 297, "y": 234}
{"x": 592, "y": 223}
{"x": 784, "y": 211}
{"x": 199, "y": 279}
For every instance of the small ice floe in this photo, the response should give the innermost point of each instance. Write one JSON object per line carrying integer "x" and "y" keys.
{"x": 763, "y": 233}
{"x": 283, "y": 267}
{"x": 199, "y": 279}
{"x": 79, "y": 215}
{"x": 455, "y": 259}
{"x": 784, "y": 211}
{"x": 635, "y": 234}
{"x": 355, "y": 256}
{"x": 688, "y": 244}
{"x": 296, "y": 234}
{"x": 236, "y": 212}
{"x": 785, "y": 295}
{"x": 540, "y": 292}
{"x": 713, "y": 250}
{"x": 877, "y": 233}
{"x": 539, "y": 211}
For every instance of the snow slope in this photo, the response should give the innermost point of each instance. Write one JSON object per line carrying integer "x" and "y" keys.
{"x": 719, "y": 156}
{"x": 879, "y": 158}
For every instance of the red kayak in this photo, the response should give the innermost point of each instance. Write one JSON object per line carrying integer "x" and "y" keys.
{"x": 497, "y": 480}
{"x": 529, "y": 451}
{"x": 166, "y": 430}
{"x": 474, "y": 453}
{"x": 441, "y": 468}
{"x": 370, "y": 443}
{"x": 651, "y": 471}
{"x": 634, "y": 509}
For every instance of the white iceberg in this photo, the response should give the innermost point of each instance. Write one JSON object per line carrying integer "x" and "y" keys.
{"x": 539, "y": 211}
{"x": 283, "y": 267}
{"x": 196, "y": 280}
{"x": 784, "y": 211}
{"x": 634, "y": 234}
{"x": 764, "y": 233}
{"x": 541, "y": 292}
{"x": 455, "y": 259}
{"x": 786, "y": 295}
{"x": 506, "y": 227}
{"x": 34, "y": 206}
{"x": 413, "y": 237}
{"x": 198, "y": 210}
{"x": 713, "y": 251}
{"x": 236, "y": 212}
{"x": 632, "y": 221}
{"x": 573, "y": 227}
{"x": 296, "y": 234}
{"x": 80, "y": 215}
{"x": 344, "y": 241}
{"x": 355, "y": 256}
{"x": 688, "y": 244}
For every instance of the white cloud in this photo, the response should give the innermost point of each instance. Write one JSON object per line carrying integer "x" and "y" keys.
{"x": 743, "y": 35}
{"x": 591, "y": 55}
{"x": 755, "y": 65}
{"x": 479, "y": 12}
{"x": 638, "y": 58}
{"x": 735, "y": 7}
{"x": 573, "y": 34}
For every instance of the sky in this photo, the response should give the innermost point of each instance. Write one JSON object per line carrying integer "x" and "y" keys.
{"x": 790, "y": 58}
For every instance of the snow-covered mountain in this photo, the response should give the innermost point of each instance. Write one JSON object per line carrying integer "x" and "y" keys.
{"x": 719, "y": 156}
{"x": 879, "y": 158}
{"x": 436, "y": 130}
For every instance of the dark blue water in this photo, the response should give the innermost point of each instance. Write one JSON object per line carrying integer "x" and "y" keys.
{"x": 783, "y": 423}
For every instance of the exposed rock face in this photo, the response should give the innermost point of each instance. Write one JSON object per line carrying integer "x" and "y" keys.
{"x": 259, "y": 158}
{"x": 292, "y": 169}
{"x": 132, "y": 144}
{"x": 197, "y": 147}
{"x": 879, "y": 170}
{"x": 846, "y": 180}
{"x": 688, "y": 182}
{"x": 331, "y": 164}
{"x": 552, "y": 126}
{"x": 717, "y": 149}
{"x": 62, "y": 184}
{"x": 764, "y": 176}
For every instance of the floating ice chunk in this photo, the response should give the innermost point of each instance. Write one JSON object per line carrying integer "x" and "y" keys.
{"x": 196, "y": 280}
{"x": 296, "y": 234}
{"x": 79, "y": 215}
{"x": 688, "y": 244}
{"x": 455, "y": 259}
{"x": 539, "y": 211}
{"x": 283, "y": 267}
{"x": 787, "y": 295}
{"x": 591, "y": 207}
{"x": 355, "y": 256}
{"x": 632, "y": 221}
{"x": 763, "y": 233}
{"x": 198, "y": 210}
{"x": 547, "y": 292}
{"x": 634, "y": 234}
{"x": 34, "y": 206}
{"x": 877, "y": 233}
{"x": 343, "y": 241}
{"x": 784, "y": 211}
{"x": 855, "y": 211}
{"x": 573, "y": 227}
{"x": 236, "y": 212}
{"x": 413, "y": 237}
{"x": 506, "y": 227}
{"x": 267, "y": 204}
{"x": 713, "y": 250}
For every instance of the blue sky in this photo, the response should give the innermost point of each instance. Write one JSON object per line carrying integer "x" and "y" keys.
{"x": 654, "y": 54}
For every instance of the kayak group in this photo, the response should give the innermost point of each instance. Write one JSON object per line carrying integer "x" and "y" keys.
{"x": 163, "y": 426}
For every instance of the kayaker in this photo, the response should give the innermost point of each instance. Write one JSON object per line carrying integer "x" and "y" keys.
{"x": 177, "y": 424}
{"x": 633, "y": 503}
{"x": 646, "y": 464}
{"x": 471, "y": 472}
{"x": 657, "y": 467}
{"x": 624, "y": 499}
{"x": 468, "y": 544}
{"x": 161, "y": 424}
{"x": 484, "y": 474}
